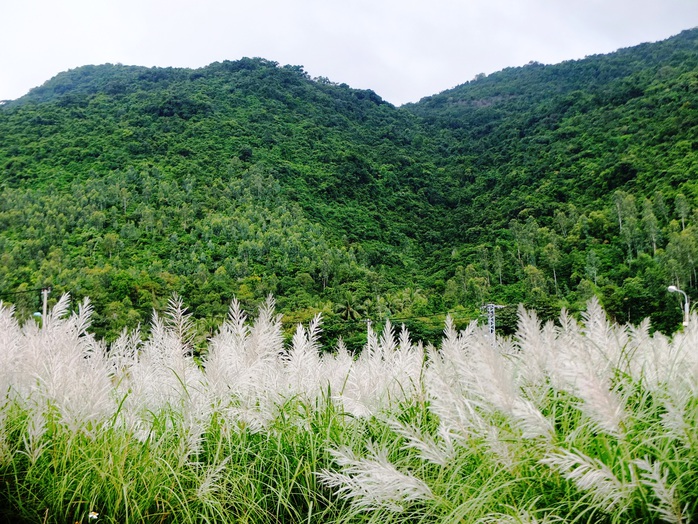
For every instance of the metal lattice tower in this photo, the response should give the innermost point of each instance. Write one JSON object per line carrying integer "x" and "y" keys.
{"x": 490, "y": 308}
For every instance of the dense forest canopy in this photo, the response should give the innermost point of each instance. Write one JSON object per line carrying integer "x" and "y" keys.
{"x": 543, "y": 185}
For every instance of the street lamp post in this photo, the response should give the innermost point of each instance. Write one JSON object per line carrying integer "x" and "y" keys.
{"x": 674, "y": 289}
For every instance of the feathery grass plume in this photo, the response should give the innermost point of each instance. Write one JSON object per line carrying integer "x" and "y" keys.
{"x": 166, "y": 379}
{"x": 653, "y": 476}
{"x": 519, "y": 517}
{"x": 529, "y": 419}
{"x": 229, "y": 354}
{"x": 266, "y": 334}
{"x": 593, "y": 476}
{"x": 302, "y": 367}
{"x": 263, "y": 376}
{"x": 651, "y": 359}
{"x": 536, "y": 351}
{"x": 405, "y": 364}
{"x": 482, "y": 371}
{"x": 64, "y": 367}
{"x": 209, "y": 482}
{"x": 587, "y": 370}
{"x": 492, "y": 379}
{"x": 245, "y": 367}
{"x": 123, "y": 353}
{"x": 449, "y": 397}
{"x": 196, "y": 410}
{"x": 373, "y": 482}
{"x": 335, "y": 367}
{"x": 154, "y": 382}
{"x": 383, "y": 374}
{"x": 387, "y": 342}
{"x": 603, "y": 406}
{"x": 11, "y": 342}
{"x": 501, "y": 447}
{"x": 677, "y": 424}
{"x": 429, "y": 450}
{"x": 32, "y": 438}
{"x": 596, "y": 327}
{"x": 57, "y": 312}
{"x": 180, "y": 323}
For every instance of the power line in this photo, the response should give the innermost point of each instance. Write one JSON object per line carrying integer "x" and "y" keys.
{"x": 5, "y": 293}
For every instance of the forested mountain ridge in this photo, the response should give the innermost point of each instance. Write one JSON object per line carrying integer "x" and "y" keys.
{"x": 540, "y": 122}
{"x": 541, "y": 184}
{"x": 246, "y": 177}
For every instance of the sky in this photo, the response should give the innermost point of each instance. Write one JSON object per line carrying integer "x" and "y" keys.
{"x": 404, "y": 50}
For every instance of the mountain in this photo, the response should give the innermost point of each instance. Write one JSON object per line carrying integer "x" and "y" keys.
{"x": 545, "y": 184}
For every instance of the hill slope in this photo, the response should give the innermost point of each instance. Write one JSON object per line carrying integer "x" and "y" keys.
{"x": 542, "y": 184}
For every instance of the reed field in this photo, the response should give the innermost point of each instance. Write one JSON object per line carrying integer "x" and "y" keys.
{"x": 573, "y": 421}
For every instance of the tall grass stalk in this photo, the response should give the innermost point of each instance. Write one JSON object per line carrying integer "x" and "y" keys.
{"x": 571, "y": 422}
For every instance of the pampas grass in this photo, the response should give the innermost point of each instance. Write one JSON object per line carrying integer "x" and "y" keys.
{"x": 580, "y": 421}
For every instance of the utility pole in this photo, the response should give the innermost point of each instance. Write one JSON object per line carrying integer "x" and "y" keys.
{"x": 490, "y": 308}
{"x": 44, "y": 296}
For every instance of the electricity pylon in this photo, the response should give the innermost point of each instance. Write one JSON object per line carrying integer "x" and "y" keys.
{"x": 490, "y": 308}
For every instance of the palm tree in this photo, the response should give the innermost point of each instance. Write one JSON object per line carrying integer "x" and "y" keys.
{"x": 348, "y": 308}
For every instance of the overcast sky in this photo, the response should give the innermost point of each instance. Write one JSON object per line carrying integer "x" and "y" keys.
{"x": 402, "y": 49}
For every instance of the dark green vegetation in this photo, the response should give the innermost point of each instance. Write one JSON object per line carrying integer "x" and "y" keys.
{"x": 543, "y": 185}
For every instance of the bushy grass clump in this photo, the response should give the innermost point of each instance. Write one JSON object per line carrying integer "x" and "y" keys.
{"x": 576, "y": 422}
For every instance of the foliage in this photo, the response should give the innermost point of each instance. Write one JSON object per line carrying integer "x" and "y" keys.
{"x": 543, "y": 185}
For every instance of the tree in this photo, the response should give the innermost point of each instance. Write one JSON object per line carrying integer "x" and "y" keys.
{"x": 553, "y": 257}
{"x": 650, "y": 224}
{"x": 348, "y": 308}
{"x": 683, "y": 208}
{"x": 591, "y": 267}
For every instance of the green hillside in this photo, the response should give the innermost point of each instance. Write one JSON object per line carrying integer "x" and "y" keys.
{"x": 542, "y": 184}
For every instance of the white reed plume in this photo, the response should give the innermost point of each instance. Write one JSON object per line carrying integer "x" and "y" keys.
{"x": 373, "y": 482}
{"x": 603, "y": 406}
{"x": 123, "y": 354}
{"x": 535, "y": 347}
{"x": 11, "y": 348}
{"x": 196, "y": 409}
{"x": 228, "y": 353}
{"x": 676, "y": 421}
{"x": 520, "y": 517}
{"x": 653, "y": 476}
{"x": 180, "y": 322}
{"x": 245, "y": 367}
{"x": 67, "y": 368}
{"x": 598, "y": 331}
{"x": 652, "y": 359}
{"x": 449, "y": 397}
{"x": 503, "y": 452}
{"x": 166, "y": 376}
{"x": 591, "y": 475}
{"x": 469, "y": 379}
{"x": 336, "y": 367}
{"x": 32, "y": 438}
{"x": 266, "y": 336}
{"x": 586, "y": 369}
{"x": 529, "y": 419}
{"x": 384, "y": 373}
{"x": 302, "y": 368}
{"x": 428, "y": 448}
{"x": 456, "y": 345}
{"x": 209, "y": 483}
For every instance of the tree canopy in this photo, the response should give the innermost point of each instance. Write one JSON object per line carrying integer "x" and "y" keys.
{"x": 543, "y": 185}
